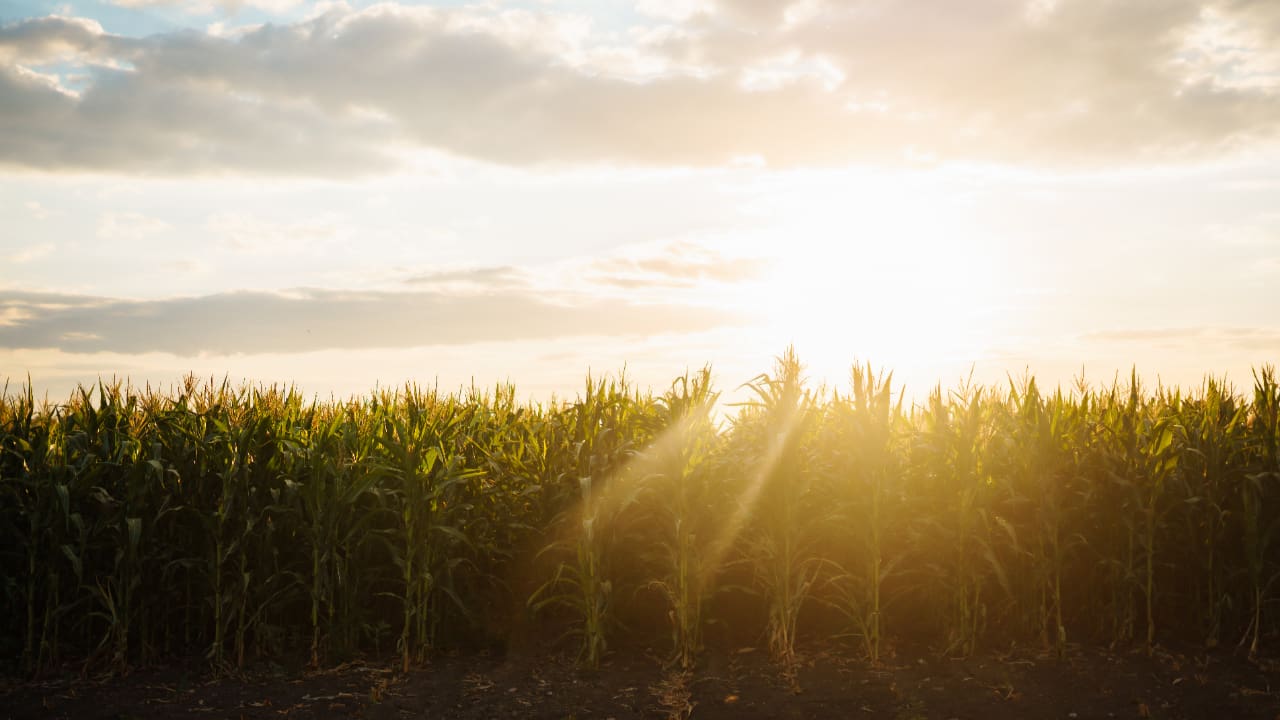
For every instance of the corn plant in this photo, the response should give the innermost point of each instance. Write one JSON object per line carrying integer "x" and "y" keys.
{"x": 785, "y": 517}
{"x": 37, "y": 519}
{"x": 865, "y": 434}
{"x": 1142, "y": 448}
{"x": 956, "y": 536}
{"x": 1261, "y": 526}
{"x": 597, "y": 445}
{"x": 245, "y": 442}
{"x": 1040, "y": 467}
{"x": 104, "y": 452}
{"x": 678, "y": 462}
{"x": 1213, "y": 462}
{"x": 417, "y": 445}
{"x": 336, "y": 498}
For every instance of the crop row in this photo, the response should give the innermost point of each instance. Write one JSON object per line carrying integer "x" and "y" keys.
{"x": 250, "y": 522}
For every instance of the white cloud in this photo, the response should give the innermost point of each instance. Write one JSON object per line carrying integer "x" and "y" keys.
{"x": 38, "y": 211}
{"x": 130, "y": 226}
{"x": 1083, "y": 82}
{"x": 33, "y": 252}
{"x": 1261, "y": 234}
{"x": 775, "y": 73}
{"x": 677, "y": 10}
{"x": 1229, "y": 52}
{"x": 206, "y": 7}
{"x": 250, "y": 234}
{"x": 221, "y": 29}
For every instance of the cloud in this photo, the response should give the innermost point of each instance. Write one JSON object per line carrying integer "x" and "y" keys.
{"x": 484, "y": 278}
{"x": 55, "y": 38}
{"x": 677, "y": 10}
{"x": 38, "y": 211}
{"x": 249, "y": 234}
{"x": 661, "y": 267}
{"x": 130, "y": 226}
{"x": 792, "y": 83}
{"x": 308, "y": 319}
{"x": 31, "y": 252}
{"x": 1251, "y": 339}
{"x": 204, "y": 7}
{"x": 136, "y": 115}
{"x": 678, "y": 264}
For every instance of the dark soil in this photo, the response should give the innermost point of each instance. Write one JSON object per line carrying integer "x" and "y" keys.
{"x": 740, "y": 684}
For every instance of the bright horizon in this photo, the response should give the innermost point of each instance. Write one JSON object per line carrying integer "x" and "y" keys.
{"x": 340, "y": 196}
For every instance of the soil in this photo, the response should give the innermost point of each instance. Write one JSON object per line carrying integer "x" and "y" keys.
{"x": 743, "y": 683}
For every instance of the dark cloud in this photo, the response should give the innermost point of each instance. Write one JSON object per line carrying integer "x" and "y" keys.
{"x": 120, "y": 123}
{"x": 1073, "y": 81}
{"x": 253, "y": 322}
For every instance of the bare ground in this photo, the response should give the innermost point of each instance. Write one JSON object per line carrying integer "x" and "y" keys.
{"x": 829, "y": 683}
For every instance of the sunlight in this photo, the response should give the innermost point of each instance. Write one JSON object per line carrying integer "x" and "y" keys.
{"x": 890, "y": 272}
{"x": 748, "y": 498}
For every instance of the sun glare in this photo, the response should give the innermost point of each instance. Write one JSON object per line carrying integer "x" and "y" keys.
{"x": 859, "y": 271}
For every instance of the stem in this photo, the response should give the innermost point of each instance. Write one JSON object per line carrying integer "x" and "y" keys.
{"x": 28, "y": 661}
{"x": 410, "y": 588}
{"x": 1151, "y": 577}
{"x": 217, "y": 600}
{"x": 873, "y": 642}
{"x": 1257, "y": 621}
{"x": 315, "y": 601}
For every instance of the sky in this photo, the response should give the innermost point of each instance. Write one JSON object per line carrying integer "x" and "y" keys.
{"x": 350, "y": 195}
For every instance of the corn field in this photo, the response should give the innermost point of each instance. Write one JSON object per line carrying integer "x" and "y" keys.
{"x": 247, "y": 523}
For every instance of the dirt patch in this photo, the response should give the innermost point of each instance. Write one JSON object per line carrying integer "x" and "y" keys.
{"x": 741, "y": 683}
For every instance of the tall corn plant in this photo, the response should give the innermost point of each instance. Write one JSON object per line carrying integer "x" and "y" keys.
{"x": 225, "y": 457}
{"x": 502, "y": 441}
{"x": 516, "y": 445}
{"x": 958, "y": 531}
{"x": 1040, "y": 441}
{"x": 195, "y": 439}
{"x": 104, "y": 452}
{"x": 338, "y": 501}
{"x": 113, "y": 495}
{"x": 245, "y": 443}
{"x": 1149, "y": 454}
{"x": 865, "y": 444}
{"x": 418, "y": 447}
{"x": 600, "y": 436}
{"x": 175, "y": 537}
{"x": 37, "y": 518}
{"x": 1213, "y": 472}
{"x": 785, "y": 519}
{"x": 141, "y": 526}
{"x": 679, "y": 460}
{"x": 1260, "y": 520}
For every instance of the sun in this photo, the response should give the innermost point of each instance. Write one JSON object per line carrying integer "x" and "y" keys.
{"x": 879, "y": 280}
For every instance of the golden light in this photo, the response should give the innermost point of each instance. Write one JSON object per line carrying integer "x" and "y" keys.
{"x": 861, "y": 270}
